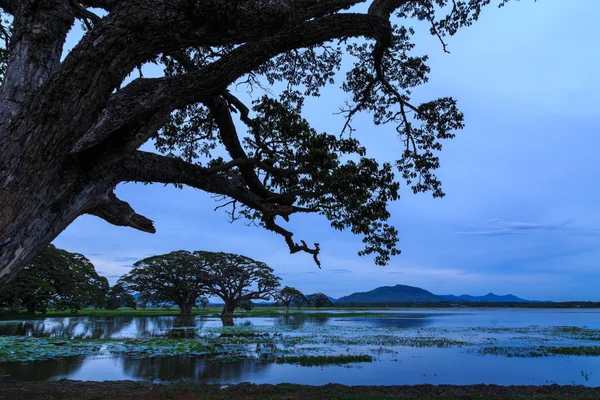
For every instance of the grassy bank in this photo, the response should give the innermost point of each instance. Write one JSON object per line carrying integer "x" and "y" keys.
{"x": 67, "y": 390}
{"x": 209, "y": 311}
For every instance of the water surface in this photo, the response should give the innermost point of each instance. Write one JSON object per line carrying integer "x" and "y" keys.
{"x": 407, "y": 346}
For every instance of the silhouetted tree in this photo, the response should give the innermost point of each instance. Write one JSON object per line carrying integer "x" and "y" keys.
{"x": 289, "y": 295}
{"x": 319, "y": 300}
{"x": 69, "y": 133}
{"x": 56, "y": 279}
{"x": 236, "y": 279}
{"x": 178, "y": 277}
{"x": 119, "y": 296}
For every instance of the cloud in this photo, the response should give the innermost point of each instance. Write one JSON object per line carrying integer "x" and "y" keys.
{"x": 498, "y": 227}
{"x": 340, "y": 271}
{"x": 125, "y": 259}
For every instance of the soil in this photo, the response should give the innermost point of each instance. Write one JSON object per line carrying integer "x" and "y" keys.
{"x": 66, "y": 389}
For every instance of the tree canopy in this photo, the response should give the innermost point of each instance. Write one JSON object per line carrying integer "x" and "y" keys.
{"x": 178, "y": 277}
{"x": 319, "y": 300}
{"x": 290, "y": 296}
{"x": 56, "y": 279}
{"x": 237, "y": 280}
{"x": 70, "y": 129}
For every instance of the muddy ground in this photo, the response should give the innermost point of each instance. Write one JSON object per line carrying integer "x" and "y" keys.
{"x": 66, "y": 389}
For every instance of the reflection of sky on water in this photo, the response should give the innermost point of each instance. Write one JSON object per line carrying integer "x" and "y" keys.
{"x": 392, "y": 365}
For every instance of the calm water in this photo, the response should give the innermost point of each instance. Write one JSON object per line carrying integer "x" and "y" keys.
{"x": 418, "y": 356}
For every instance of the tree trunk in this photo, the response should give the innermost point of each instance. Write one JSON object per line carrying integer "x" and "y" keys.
{"x": 186, "y": 308}
{"x": 34, "y": 211}
{"x": 228, "y": 309}
{"x": 31, "y": 309}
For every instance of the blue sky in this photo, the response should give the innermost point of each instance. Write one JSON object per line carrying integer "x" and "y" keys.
{"x": 520, "y": 215}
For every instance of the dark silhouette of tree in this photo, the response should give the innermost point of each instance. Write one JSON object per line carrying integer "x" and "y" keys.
{"x": 319, "y": 300}
{"x": 56, "y": 279}
{"x": 236, "y": 279}
{"x": 119, "y": 296}
{"x": 178, "y": 277}
{"x": 290, "y": 296}
{"x": 69, "y": 133}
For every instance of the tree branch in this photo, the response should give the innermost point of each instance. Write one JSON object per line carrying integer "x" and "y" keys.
{"x": 107, "y": 5}
{"x": 131, "y": 107}
{"x": 8, "y": 6}
{"x": 294, "y": 247}
{"x": 149, "y": 167}
{"x": 36, "y": 46}
{"x": 120, "y": 213}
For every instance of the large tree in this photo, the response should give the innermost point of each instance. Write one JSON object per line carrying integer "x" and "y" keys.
{"x": 319, "y": 300}
{"x": 119, "y": 296}
{"x": 56, "y": 279}
{"x": 290, "y": 296}
{"x": 178, "y": 277}
{"x": 69, "y": 131}
{"x": 237, "y": 279}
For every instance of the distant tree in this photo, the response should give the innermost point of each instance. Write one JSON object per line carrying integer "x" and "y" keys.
{"x": 178, "y": 277}
{"x": 100, "y": 297}
{"x": 120, "y": 296}
{"x": 319, "y": 300}
{"x": 290, "y": 296}
{"x": 236, "y": 279}
{"x": 56, "y": 279}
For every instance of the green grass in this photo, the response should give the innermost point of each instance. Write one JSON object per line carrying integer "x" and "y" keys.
{"x": 209, "y": 311}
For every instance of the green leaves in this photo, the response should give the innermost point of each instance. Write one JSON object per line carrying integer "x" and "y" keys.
{"x": 291, "y": 167}
{"x": 56, "y": 279}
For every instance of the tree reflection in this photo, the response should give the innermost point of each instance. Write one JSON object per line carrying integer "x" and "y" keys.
{"x": 41, "y": 370}
{"x": 190, "y": 367}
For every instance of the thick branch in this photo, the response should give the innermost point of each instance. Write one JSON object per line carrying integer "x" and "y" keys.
{"x": 118, "y": 212}
{"x": 8, "y": 6}
{"x": 149, "y": 167}
{"x": 145, "y": 98}
{"x": 39, "y": 32}
{"x": 107, "y": 5}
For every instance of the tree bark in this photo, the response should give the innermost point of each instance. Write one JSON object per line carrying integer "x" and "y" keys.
{"x": 228, "y": 308}
{"x": 186, "y": 307}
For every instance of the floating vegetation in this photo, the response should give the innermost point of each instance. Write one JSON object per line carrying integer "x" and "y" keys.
{"x": 311, "y": 361}
{"x": 542, "y": 351}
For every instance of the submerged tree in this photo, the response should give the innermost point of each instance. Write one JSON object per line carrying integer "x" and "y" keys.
{"x": 319, "y": 300}
{"x": 178, "y": 277}
{"x": 69, "y": 133}
{"x": 237, "y": 279}
{"x": 290, "y": 296}
{"x": 56, "y": 279}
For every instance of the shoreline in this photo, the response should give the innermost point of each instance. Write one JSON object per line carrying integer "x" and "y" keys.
{"x": 87, "y": 390}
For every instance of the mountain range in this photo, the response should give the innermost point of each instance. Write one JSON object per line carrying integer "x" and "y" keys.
{"x": 412, "y": 294}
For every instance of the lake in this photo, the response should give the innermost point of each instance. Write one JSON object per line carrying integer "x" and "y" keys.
{"x": 353, "y": 347}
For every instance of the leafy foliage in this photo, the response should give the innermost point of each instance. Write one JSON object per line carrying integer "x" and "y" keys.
{"x": 290, "y": 296}
{"x": 178, "y": 277}
{"x": 319, "y": 300}
{"x": 237, "y": 279}
{"x": 329, "y": 174}
{"x": 119, "y": 296}
{"x": 57, "y": 279}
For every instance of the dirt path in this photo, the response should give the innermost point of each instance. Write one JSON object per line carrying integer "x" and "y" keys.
{"x": 183, "y": 391}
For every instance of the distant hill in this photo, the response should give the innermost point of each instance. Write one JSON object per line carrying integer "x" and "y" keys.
{"x": 489, "y": 298}
{"x": 391, "y": 294}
